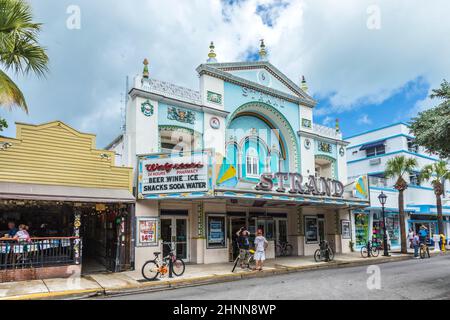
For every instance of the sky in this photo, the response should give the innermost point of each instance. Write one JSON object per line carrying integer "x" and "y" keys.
{"x": 367, "y": 63}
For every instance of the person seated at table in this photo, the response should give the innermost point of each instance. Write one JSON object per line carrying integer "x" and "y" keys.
{"x": 22, "y": 234}
{"x": 12, "y": 230}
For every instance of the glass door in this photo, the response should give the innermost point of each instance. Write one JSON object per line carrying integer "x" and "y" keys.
{"x": 321, "y": 223}
{"x": 174, "y": 234}
{"x": 281, "y": 231}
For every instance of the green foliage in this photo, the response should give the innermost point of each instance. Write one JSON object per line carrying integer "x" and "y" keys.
{"x": 20, "y": 51}
{"x": 3, "y": 124}
{"x": 399, "y": 166}
{"x": 436, "y": 172}
{"x": 432, "y": 127}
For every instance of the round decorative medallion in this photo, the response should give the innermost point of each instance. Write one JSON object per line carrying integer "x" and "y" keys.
{"x": 342, "y": 151}
{"x": 214, "y": 123}
{"x": 264, "y": 78}
{"x": 307, "y": 144}
{"x": 147, "y": 108}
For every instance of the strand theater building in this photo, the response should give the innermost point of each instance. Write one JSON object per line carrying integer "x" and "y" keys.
{"x": 241, "y": 151}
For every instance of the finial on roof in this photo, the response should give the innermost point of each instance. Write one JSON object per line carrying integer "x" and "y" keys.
{"x": 304, "y": 85}
{"x": 338, "y": 129}
{"x": 145, "y": 73}
{"x": 262, "y": 51}
{"x": 211, "y": 54}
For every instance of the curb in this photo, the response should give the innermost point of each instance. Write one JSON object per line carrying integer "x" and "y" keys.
{"x": 154, "y": 286}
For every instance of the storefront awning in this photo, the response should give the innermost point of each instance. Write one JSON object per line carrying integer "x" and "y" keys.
{"x": 22, "y": 191}
{"x": 375, "y": 144}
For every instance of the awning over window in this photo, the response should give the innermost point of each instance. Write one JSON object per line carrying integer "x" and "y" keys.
{"x": 373, "y": 145}
{"x": 22, "y": 191}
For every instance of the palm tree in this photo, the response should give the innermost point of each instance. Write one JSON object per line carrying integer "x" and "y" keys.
{"x": 20, "y": 51}
{"x": 438, "y": 173}
{"x": 396, "y": 168}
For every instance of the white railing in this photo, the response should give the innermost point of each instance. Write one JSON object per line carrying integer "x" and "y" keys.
{"x": 327, "y": 131}
{"x": 169, "y": 90}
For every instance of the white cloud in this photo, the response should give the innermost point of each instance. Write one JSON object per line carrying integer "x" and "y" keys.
{"x": 364, "y": 119}
{"x": 327, "y": 120}
{"x": 326, "y": 40}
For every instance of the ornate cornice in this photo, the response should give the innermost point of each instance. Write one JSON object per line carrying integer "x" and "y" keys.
{"x": 223, "y": 75}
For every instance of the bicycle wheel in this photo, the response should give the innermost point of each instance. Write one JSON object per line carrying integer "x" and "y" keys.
{"x": 289, "y": 250}
{"x": 278, "y": 250}
{"x": 422, "y": 252}
{"x": 330, "y": 254}
{"x": 364, "y": 252}
{"x": 317, "y": 256}
{"x": 251, "y": 262}
{"x": 178, "y": 267}
{"x": 235, "y": 263}
{"x": 150, "y": 270}
{"x": 375, "y": 251}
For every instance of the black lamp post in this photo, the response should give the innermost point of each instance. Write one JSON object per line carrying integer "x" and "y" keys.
{"x": 382, "y": 197}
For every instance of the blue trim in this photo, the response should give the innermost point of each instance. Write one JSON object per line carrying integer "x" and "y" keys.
{"x": 419, "y": 187}
{"x": 383, "y": 189}
{"x": 387, "y": 138}
{"x": 373, "y": 130}
{"x": 391, "y": 153}
{"x": 371, "y": 145}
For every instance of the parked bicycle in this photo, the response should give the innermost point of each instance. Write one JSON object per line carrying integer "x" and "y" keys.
{"x": 370, "y": 250}
{"x": 283, "y": 249}
{"x": 324, "y": 253}
{"x": 160, "y": 267}
{"x": 424, "y": 251}
{"x": 245, "y": 259}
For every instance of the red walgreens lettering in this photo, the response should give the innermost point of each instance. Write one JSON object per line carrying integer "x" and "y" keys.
{"x": 171, "y": 166}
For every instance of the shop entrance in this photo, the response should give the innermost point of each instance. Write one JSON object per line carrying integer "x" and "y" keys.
{"x": 235, "y": 223}
{"x": 106, "y": 239}
{"x": 174, "y": 234}
{"x": 280, "y": 231}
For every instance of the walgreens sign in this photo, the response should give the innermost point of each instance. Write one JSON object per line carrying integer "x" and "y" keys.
{"x": 174, "y": 174}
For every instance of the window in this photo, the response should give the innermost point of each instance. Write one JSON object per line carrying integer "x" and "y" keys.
{"x": 216, "y": 231}
{"x": 412, "y": 146}
{"x": 311, "y": 229}
{"x": 375, "y": 151}
{"x": 414, "y": 179}
{"x": 317, "y": 172}
{"x": 252, "y": 163}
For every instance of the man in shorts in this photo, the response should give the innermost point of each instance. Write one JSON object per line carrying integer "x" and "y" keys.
{"x": 260, "y": 249}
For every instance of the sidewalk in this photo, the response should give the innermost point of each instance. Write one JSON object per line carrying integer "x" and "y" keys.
{"x": 132, "y": 282}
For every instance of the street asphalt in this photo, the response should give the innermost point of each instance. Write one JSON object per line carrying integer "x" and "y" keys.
{"x": 410, "y": 279}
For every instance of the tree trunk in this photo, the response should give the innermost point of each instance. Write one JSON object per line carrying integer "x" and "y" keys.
{"x": 439, "y": 215}
{"x": 401, "y": 210}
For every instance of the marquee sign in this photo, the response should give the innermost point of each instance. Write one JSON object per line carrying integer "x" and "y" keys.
{"x": 298, "y": 185}
{"x": 173, "y": 173}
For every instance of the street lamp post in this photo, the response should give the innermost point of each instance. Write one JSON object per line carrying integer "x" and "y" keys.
{"x": 382, "y": 197}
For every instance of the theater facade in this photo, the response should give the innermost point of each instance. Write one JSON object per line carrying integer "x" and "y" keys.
{"x": 242, "y": 150}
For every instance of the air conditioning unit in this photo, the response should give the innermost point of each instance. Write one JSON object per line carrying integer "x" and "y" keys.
{"x": 374, "y": 162}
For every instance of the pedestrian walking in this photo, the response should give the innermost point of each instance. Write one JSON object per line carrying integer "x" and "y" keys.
{"x": 260, "y": 249}
{"x": 411, "y": 238}
{"x": 416, "y": 245}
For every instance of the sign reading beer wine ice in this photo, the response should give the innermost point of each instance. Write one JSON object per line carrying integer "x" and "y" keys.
{"x": 167, "y": 173}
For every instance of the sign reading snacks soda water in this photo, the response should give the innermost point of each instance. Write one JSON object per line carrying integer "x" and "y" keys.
{"x": 173, "y": 174}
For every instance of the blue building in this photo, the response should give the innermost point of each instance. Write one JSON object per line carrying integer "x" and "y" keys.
{"x": 367, "y": 154}
{"x": 242, "y": 150}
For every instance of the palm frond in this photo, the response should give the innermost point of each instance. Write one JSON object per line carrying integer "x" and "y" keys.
{"x": 19, "y": 47}
{"x": 10, "y": 94}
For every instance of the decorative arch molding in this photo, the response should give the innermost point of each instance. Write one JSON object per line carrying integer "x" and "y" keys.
{"x": 275, "y": 120}
{"x": 198, "y": 142}
{"x": 332, "y": 161}
{"x": 256, "y": 139}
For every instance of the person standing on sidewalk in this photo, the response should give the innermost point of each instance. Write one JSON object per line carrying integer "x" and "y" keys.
{"x": 416, "y": 245}
{"x": 260, "y": 249}
{"x": 410, "y": 238}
